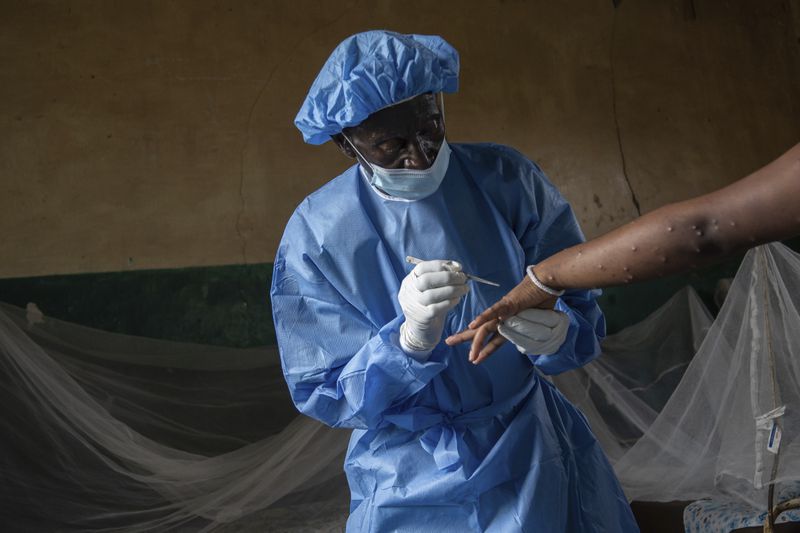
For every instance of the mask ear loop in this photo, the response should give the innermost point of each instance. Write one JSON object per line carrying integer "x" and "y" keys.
{"x": 364, "y": 159}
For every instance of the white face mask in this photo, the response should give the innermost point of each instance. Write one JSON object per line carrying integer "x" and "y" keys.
{"x": 407, "y": 183}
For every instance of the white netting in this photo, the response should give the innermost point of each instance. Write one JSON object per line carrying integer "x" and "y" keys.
{"x": 712, "y": 435}
{"x": 623, "y": 391}
{"x": 104, "y": 431}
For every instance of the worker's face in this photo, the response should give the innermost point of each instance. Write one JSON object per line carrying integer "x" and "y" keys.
{"x": 406, "y": 135}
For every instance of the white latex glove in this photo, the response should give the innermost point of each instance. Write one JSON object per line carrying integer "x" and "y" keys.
{"x": 426, "y": 295}
{"x": 536, "y": 331}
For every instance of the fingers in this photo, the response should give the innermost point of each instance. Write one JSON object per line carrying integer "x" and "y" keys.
{"x": 437, "y": 265}
{"x": 478, "y": 352}
{"x": 452, "y": 266}
{"x": 489, "y": 349}
{"x": 440, "y": 308}
{"x": 434, "y": 280}
{"x": 461, "y": 336}
{"x": 480, "y": 338}
{"x": 439, "y": 285}
{"x": 499, "y": 310}
{"x": 441, "y": 294}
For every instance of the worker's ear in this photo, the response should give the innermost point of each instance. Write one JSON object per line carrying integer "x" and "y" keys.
{"x": 343, "y": 145}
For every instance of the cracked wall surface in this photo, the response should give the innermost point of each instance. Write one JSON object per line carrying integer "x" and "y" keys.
{"x": 150, "y": 134}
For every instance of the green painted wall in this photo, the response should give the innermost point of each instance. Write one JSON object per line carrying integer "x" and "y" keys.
{"x": 229, "y": 305}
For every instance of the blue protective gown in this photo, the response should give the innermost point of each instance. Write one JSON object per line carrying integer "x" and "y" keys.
{"x": 442, "y": 445}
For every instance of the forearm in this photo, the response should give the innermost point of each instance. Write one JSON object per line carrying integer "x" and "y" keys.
{"x": 762, "y": 207}
{"x": 671, "y": 239}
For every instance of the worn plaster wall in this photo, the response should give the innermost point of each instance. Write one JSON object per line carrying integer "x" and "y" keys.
{"x": 155, "y": 134}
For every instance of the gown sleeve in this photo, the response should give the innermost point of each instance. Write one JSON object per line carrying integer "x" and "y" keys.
{"x": 341, "y": 368}
{"x": 547, "y": 225}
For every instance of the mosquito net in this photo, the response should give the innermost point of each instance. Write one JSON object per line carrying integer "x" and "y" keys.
{"x": 731, "y": 425}
{"x": 105, "y": 432}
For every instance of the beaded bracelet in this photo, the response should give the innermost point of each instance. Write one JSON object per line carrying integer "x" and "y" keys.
{"x": 542, "y": 286}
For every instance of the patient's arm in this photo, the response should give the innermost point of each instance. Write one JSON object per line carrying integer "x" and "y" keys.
{"x": 762, "y": 207}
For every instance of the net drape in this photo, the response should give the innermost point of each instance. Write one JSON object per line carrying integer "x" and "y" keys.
{"x": 106, "y": 432}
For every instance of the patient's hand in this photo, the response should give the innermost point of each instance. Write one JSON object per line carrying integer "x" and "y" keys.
{"x": 484, "y": 328}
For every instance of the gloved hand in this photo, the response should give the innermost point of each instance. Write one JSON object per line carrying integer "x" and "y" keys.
{"x": 536, "y": 331}
{"x": 426, "y": 294}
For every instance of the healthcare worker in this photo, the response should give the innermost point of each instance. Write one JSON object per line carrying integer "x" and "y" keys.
{"x": 438, "y": 444}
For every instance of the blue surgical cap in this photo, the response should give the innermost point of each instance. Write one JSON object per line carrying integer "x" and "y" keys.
{"x": 370, "y": 71}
